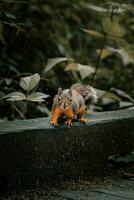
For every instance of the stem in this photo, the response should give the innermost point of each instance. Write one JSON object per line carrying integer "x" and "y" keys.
{"x": 27, "y": 94}
{"x": 98, "y": 60}
{"x": 18, "y": 111}
{"x": 27, "y": 105}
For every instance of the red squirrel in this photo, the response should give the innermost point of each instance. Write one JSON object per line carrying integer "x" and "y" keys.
{"x": 71, "y": 103}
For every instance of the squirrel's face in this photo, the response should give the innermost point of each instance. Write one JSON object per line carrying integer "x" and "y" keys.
{"x": 64, "y": 99}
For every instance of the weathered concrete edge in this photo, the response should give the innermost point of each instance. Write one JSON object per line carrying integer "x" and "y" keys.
{"x": 33, "y": 153}
{"x": 43, "y": 123}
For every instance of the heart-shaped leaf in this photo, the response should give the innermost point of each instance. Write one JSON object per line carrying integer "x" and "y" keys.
{"x": 29, "y": 82}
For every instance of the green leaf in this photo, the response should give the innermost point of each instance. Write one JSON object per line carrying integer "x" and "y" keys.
{"x": 112, "y": 95}
{"x": 122, "y": 95}
{"x": 14, "y": 96}
{"x": 93, "y": 33}
{"x": 85, "y": 70}
{"x": 126, "y": 59}
{"x": 54, "y": 61}
{"x": 96, "y": 8}
{"x": 10, "y": 15}
{"x": 105, "y": 53}
{"x": 72, "y": 66}
{"x": 37, "y": 96}
{"x": 112, "y": 27}
{"x": 29, "y": 82}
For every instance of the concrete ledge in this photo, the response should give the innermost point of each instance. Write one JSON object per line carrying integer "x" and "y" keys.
{"x": 34, "y": 153}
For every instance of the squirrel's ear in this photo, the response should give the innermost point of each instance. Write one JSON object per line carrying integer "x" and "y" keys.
{"x": 59, "y": 90}
{"x": 70, "y": 92}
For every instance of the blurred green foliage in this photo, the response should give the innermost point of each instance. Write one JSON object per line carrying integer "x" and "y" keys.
{"x": 33, "y": 31}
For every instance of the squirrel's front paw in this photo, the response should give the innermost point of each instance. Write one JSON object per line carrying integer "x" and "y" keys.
{"x": 68, "y": 123}
{"x": 53, "y": 123}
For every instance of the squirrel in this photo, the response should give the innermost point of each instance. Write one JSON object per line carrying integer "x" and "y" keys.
{"x": 72, "y": 103}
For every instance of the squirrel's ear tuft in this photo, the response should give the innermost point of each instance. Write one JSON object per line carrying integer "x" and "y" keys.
{"x": 59, "y": 90}
{"x": 70, "y": 92}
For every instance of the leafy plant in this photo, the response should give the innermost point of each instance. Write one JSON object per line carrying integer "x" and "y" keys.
{"x": 28, "y": 84}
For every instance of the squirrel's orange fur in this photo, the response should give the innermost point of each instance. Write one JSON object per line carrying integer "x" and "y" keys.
{"x": 71, "y": 103}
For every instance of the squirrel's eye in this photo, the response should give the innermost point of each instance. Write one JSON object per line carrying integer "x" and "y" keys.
{"x": 70, "y": 100}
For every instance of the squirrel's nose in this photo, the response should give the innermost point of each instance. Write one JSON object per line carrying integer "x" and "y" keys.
{"x": 65, "y": 105}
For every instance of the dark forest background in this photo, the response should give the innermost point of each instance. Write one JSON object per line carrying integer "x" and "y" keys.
{"x": 66, "y": 41}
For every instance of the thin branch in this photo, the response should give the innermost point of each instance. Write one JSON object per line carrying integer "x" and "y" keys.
{"x": 99, "y": 60}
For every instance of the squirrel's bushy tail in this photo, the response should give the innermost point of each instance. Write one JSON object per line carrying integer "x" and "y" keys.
{"x": 88, "y": 93}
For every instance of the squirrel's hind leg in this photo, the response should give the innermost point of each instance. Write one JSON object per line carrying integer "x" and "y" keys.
{"x": 80, "y": 115}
